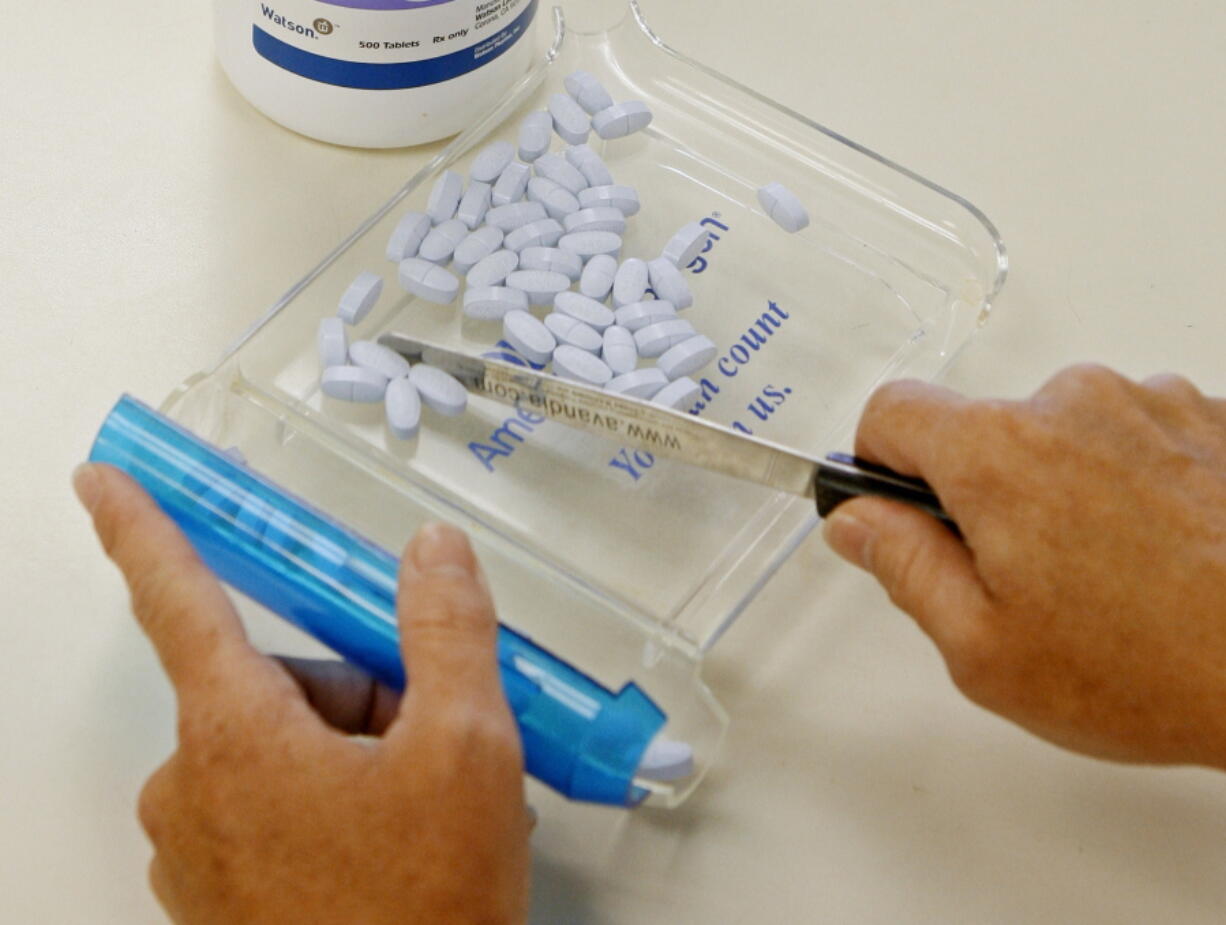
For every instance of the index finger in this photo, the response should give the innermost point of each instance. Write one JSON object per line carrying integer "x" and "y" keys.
{"x": 902, "y": 426}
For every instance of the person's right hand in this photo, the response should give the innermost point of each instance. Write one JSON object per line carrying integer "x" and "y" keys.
{"x": 1088, "y": 602}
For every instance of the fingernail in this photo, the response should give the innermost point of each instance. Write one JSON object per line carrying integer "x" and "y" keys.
{"x": 86, "y": 484}
{"x": 438, "y": 545}
{"x": 849, "y": 537}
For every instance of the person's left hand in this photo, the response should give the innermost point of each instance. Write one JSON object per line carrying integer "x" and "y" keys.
{"x": 269, "y": 811}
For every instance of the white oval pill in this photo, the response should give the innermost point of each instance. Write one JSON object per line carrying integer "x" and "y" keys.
{"x": 686, "y": 244}
{"x": 568, "y": 330}
{"x": 687, "y": 357}
{"x": 621, "y": 119}
{"x": 542, "y": 286}
{"x": 638, "y": 315}
{"x": 784, "y": 207}
{"x": 551, "y": 258}
{"x": 428, "y": 281}
{"x": 491, "y": 303}
{"x": 680, "y": 395}
{"x": 403, "y": 407}
{"x": 589, "y": 311}
{"x": 408, "y": 235}
{"x": 535, "y": 133}
{"x": 515, "y": 215}
{"x": 655, "y": 339}
{"x": 639, "y": 383}
{"x": 475, "y": 204}
{"x": 545, "y": 233}
{"x": 557, "y": 200}
{"x": 492, "y": 161}
{"x": 439, "y": 390}
{"x": 594, "y": 170}
{"x": 590, "y": 243}
{"x": 476, "y": 247}
{"x": 618, "y": 350}
{"x": 601, "y": 218}
{"x": 588, "y": 92}
{"x": 529, "y": 336}
{"x": 494, "y": 269}
{"x": 512, "y": 185}
{"x": 630, "y": 284}
{"x": 445, "y": 197}
{"x": 353, "y": 383}
{"x": 442, "y": 241}
{"x": 555, "y": 167}
{"x": 579, "y": 365}
{"x": 383, "y": 360}
{"x": 597, "y": 278}
{"x": 577, "y": 154}
{"x": 666, "y": 760}
{"x": 669, "y": 284}
{"x": 360, "y": 298}
{"x": 571, "y": 123}
{"x": 623, "y": 198}
{"x": 333, "y": 343}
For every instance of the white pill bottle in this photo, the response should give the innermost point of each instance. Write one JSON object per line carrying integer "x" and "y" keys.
{"x": 374, "y": 73}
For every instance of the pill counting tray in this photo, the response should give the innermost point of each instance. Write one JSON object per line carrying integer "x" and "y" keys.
{"x": 630, "y": 566}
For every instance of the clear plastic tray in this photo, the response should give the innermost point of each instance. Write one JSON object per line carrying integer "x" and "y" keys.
{"x": 628, "y": 567}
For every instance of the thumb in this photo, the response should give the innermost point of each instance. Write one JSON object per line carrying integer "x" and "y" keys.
{"x": 448, "y": 631}
{"x": 927, "y": 571}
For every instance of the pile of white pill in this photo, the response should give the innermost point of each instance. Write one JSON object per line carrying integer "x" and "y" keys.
{"x": 534, "y": 240}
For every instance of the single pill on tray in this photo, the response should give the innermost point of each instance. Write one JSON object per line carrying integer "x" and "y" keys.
{"x": 666, "y": 760}
{"x": 445, "y": 197}
{"x": 545, "y": 233}
{"x": 552, "y": 258}
{"x": 618, "y": 350}
{"x": 383, "y": 360}
{"x": 494, "y": 269}
{"x": 686, "y": 245}
{"x": 439, "y": 390}
{"x": 668, "y": 283}
{"x": 591, "y": 243}
{"x": 353, "y": 383}
{"x": 588, "y": 92}
{"x": 360, "y": 298}
{"x": 601, "y": 218}
{"x": 589, "y": 311}
{"x": 687, "y": 357}
{"x": 630, "y": 284}
{"x": 535, "y": 134}
{"x": 333, "y": 343}
{"x": 639, "y": 383}
{"x": 623, "y": 198}
{"x": 428, "y": 281}
{"x": 784, "y": 207}
{"x": 529, "y": 336}
{"x": 621, "y": 119}
{"x": 638, "y": 315}
{"x": 557, "y": 199}
{"x": 492, "y": 161}
{"x": 512, "y": 185}
{"x": 571, "y": 123}
{"x": 475, "y": 204}
{"x": 491, "y": 303}
{"x": 407, "y": 236}
{"x": 403, "y": 407}
{"x": 542, "y": 286}
{"x": 476, "y": 247}
{"x": 557, "y": 168}
{"x": 515, "y": 215}
{"x": 597, "y": 279}
{"x": 679, "y": 395}
{"x": 568, "y": 330}
{"x": 656, "y": 339}
{"x": 442, "y": 241}
{"x": 579, "y": 365}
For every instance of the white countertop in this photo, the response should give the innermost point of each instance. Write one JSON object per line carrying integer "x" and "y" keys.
{"x": 149, "y": 214}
